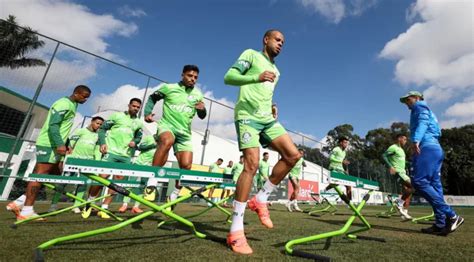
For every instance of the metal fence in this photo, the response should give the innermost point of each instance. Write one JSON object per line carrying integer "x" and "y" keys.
{"x": 65, "y": 66}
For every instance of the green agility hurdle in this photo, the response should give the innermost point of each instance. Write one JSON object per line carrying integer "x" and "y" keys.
{"x": 391, "y": 210}
{"x": 322, "y": 205}
{"x": 335, "y": 180}
{"x": 88, "y": 168}
{"x": 49, "y": 181}
{"x": 423, "y": 218}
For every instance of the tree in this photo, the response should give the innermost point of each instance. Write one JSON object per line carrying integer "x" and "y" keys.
{"x": 15, "y": 43}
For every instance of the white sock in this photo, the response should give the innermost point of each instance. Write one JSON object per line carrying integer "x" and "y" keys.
{"x": 20, "y": 201}
{"x": 238, "y": 216}
{"x": 125, "y": 204}
{"x": 137, "y": 204}
{"x": 264, "y": 193}
{"x": 27, "y": 210}
{"x": 175, "y": 194}
{"x": 105, "y": 206}
{"x": 152, "y": 182}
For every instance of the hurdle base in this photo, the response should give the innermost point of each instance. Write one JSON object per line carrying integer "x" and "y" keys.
{"x": 13, "y": 226}
{"x": 38, "y": 255}
{"x": 299, "y": 253}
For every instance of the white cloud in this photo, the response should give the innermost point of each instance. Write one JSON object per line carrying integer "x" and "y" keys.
{"x": 131, "y": 12}
{"x": 336, "y": 10}
{"x": 68, "y": 22}
{"x": 437, "y": 51}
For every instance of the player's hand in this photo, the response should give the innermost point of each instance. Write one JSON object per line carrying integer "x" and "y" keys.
{"x": 61, "y": 150}
{"x": 392, "y": 170}
{"x": 416, "y": 149}
{"x": 200, "y": 105}
{"x": 132, "y": 144}
{"x": 346, "y": 162}
{"x": 275, "y": 111}
{"x": 103, "y": 149}
{"x": 149, "y": 118}
{"x": 267, "y": 76}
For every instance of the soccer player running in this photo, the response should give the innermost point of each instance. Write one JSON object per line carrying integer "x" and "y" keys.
{"x": 226, "y": 192}
{"x": 214, "y": 168}
{"x": 182, "y": 101}
{"x": 427, "y": 160}
{"x": 50, "y": 147}
{"x": 147, "y": 148}
{"x": 294, "y": 178}
{"x": 395, "y": 159}
{"x": 263, "y": 171}
{"x": 124, "y": 132}
{"x": 84, "y": 143}
{"x": 237, "y": 169}
{"x": 255, "y": 118}
{"x": 337, "y": 160}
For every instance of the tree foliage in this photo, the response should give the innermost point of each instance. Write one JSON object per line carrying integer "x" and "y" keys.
{"x": 16, "y": 43}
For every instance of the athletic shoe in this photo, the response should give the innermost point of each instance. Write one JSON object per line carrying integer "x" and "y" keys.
{"x": 86, "y": 212}
{"x": 434, "y": 230}
{"x": 13, "y": 207}
{"x": 262, "y": 212}
{"x": 404, "y": 213}
{"x": 297, "y": 208}
{"x": 76, "y": 210}
{"x": 288, "y": 206}
{"x": 453, "y": 223}
{"x": 238, "y": 243}
{"x": 398, "y": 204}
{"x": 136, "y": 210}
{"x": 21, "y": 217}
{"x": 150, "y": 193}
{"x": 123, "y": 209}
{"x": 103, "y": 215}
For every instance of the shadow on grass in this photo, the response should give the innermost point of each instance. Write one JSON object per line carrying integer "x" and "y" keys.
{"x": 387, "y": 228}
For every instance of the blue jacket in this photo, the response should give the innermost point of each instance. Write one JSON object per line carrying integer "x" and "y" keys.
{"x": 424, "y": 127}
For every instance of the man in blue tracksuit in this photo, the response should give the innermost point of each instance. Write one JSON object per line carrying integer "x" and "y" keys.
{"x": 427, "y": 159}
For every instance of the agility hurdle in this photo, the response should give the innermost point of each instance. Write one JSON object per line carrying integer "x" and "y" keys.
{"x": 391, "y": 210}
{"x": 322, "y": 205}
{"x": 88, "y": 168}
{"x": 335, "y": 180}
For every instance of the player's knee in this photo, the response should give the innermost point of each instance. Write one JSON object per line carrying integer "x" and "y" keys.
{"x": 291, "y": 159}
{"x": 251, "y": 168}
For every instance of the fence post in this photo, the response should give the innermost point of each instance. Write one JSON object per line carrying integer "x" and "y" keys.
{"x": 206, "y": 134}
{"x": 28, "y": 113}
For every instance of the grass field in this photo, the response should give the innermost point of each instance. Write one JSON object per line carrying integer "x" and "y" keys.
{"x": 404, "y": 240}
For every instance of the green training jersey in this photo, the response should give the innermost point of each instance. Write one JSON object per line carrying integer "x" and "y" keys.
{"x": 395, "y": 157}
{"x": 296, "y": 170}
{"x": 255, "y": 99}
{"x": 147, "y": 149}
{"x": 178, "y": 106}
{"x": 236, "y": 171}
{"x": 122, "y": 129}
{"x": 214, "y": 168}
{"x": 263, "y": 169}
{"x": 58, "y": 123}
{"x": 85, "y": 144}
{"x": 228, "y": 170}
{"x": 336, "y": 158}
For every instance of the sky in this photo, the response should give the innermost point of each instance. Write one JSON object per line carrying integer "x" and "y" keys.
{"x": 344, "y": 61}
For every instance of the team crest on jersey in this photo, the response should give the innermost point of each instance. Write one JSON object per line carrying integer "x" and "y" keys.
{"x": 191, "y": 97}
{"x": 246, "y": 137}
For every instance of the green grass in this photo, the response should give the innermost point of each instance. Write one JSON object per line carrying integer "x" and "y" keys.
{"x": 404, "y": 240}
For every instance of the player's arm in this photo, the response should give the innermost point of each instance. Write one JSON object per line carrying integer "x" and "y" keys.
{"x": 201, "y": 109}
{"x": 150, "y": 104}
{"x": 145, "y": 147}
{"x": 137, "y": 137}
{"x": 72, "y": 140}
{"x": 423, "y": 120}
{"x": 57, "y": 117}
{"x": 274, "y": 111}
{"x": 334, "y": 157}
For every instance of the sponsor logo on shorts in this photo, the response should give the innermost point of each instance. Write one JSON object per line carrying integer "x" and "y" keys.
{"x": 41, "y": 153}
{"x": 246, "y": 137}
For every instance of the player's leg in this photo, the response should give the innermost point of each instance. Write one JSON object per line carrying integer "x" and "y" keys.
{"x": 165, "y": 140}
{"x": 32, "y": 188}
{"x": 289, "y": 205}
{"x": 296, "y": 192}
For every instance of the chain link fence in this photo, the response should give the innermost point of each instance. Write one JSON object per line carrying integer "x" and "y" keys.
{"x": 39, "y": 70}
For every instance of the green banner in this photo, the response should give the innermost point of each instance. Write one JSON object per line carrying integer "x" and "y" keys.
{"x": 343, "y": 179}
